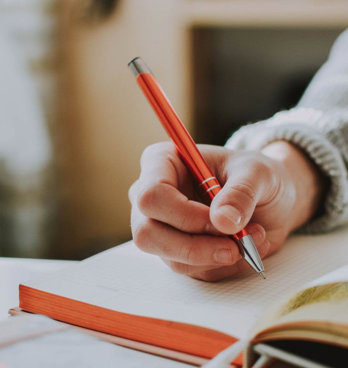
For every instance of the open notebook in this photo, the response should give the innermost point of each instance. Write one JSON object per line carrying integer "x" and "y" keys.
{"x": 112, "y": 292}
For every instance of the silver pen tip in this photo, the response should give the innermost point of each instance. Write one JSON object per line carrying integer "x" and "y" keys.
{"x": 262, "y": 274}
{"x": 250, "y": 254}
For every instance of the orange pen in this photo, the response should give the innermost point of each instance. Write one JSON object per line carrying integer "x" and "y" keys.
{"x": 189, "y": 152}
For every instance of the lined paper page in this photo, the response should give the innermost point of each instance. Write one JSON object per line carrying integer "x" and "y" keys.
{"x": 128, "y": 280}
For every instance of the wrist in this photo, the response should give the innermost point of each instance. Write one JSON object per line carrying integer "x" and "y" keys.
{"x": 307, "y": 179}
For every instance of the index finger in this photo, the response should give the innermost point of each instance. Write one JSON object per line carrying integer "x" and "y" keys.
{"x": 158, "y": 192}
{"x": 160, "y": 163}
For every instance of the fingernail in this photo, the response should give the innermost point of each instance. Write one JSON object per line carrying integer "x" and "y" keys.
{"x": 231, "y": 213}
{"x": 223, "y": 256}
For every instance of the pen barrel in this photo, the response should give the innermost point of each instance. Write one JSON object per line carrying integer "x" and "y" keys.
{"x": 188, "y": 151}
{"x": 179, "y": 134}
{"x": 184, "y": 143}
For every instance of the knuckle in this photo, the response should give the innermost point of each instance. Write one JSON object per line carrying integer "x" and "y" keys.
{"x": 182, "y": 222}
{"x": 132, "y": 191}
{"x": 190, "y": 254}
{"x": 190, "y": 223}
{"x": 155, "y": 149}
{"x": 147, "y": 197}
{"x": 149, "y": 151}
{"x": 143, "y": 235}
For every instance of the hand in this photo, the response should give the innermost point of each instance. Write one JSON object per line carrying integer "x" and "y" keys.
{"x": 271, "y": 193}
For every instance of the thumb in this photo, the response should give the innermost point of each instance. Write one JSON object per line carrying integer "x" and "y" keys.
{"x": 233, "y": 207}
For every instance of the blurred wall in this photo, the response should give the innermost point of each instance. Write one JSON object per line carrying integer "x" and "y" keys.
{"x": 105, "y": 121}
{"x": 28, "y": 74}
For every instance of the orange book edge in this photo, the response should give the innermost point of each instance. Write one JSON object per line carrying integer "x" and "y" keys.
{"x": 134, "y": 345}
{"x": 180, "y": 341}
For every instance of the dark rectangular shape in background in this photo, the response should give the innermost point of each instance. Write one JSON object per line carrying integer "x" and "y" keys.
{"x": 243, "y": 75}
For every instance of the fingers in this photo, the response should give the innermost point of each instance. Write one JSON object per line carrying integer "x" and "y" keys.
{"x": 197, "y": 250}
{"x": 165, "y": 203}
{"x": 158, "y": 197}
{"x": 184, "y": 252}
{"x": 250, "y": 183}
{"x": 216, "y": 273}
{"x": 167, "y": 220}
{"x": 160, "y": 164}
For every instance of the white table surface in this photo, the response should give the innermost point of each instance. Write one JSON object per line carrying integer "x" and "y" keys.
{"x": 15, "y": 271}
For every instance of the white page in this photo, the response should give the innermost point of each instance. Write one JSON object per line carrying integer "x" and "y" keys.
{"x": 128, "y": 280}
{"x": 338, "y": 275}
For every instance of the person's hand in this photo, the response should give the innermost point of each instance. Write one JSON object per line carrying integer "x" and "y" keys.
{"x": 271, "y": 193}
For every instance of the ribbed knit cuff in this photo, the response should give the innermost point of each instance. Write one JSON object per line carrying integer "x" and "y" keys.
{"x": 307, "y": 129}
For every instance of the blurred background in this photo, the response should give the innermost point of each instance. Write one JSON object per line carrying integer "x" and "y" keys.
{"x": 73, "y": 122}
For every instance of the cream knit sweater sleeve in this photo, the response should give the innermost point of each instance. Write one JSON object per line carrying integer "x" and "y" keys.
{"x": 319, "y": 126}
